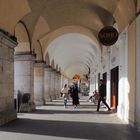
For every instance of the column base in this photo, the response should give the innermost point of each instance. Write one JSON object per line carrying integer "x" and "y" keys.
{"x": 53, "y": 97}
{"x": 39, "y": 103}
{"x": 120, "y": 112}
{"x": 137, "y": 125}
{"x": 27, "y": 107}
{"x": 48, "y": 99}
{"x": 132, "y": 123}
{"x": 57, "y": 95}
{"x": 7, "y": 116}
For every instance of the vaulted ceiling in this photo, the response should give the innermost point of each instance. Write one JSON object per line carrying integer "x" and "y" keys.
{"x": 65, "y": 30}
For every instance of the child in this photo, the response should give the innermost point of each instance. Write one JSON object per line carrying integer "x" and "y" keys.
{"x": 65, "y": 92}
{"x": 93, "y": 97}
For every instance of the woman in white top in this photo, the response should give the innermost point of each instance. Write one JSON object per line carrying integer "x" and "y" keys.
{"x": 65, "y": 91}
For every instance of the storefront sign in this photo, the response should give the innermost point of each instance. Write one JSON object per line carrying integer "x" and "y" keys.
{"x": 108, "y": 35}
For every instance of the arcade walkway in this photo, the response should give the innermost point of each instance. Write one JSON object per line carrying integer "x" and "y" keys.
{"x": 53, "y": 122}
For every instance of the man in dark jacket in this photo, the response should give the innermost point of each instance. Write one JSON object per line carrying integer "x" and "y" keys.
{"x": 74, "y": 93}
{"x": 102, "y": 95}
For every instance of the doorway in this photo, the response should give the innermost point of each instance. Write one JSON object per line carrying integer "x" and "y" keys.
{"x": 114, "y": 87}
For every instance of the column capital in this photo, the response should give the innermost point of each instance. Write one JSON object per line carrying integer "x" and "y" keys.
{"x": 47, "y": 66}
{"x": 59, "y": 72}
{"x": 24, "y": 56}
{"x": 53, "y": 70}
{"x": 39, "y": 64}
{"x": 7, "y": 40}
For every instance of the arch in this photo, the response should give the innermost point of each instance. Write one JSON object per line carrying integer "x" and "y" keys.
{"x": 57, "y": 68}
{"x": 85, "y": 32}
{"x": 85, "y": 61}
{"x": 69, "y": 55}
{"x": 66, "y": 53}
{"x": 74, "y": 70}
{"x": 47, "y": 59}
{"x": 83, "y": 67}
{"x": 53, "y": 64}
{"x": 125, "y": 13}
{"x": 38, "y": 51}
{"x": 40, "y": 29}
{"x": 23, "y": 38}
{"x": 89, "y": 50}
{"x": 48, "y": 38}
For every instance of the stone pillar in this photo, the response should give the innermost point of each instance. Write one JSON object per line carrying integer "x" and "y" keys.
{"x": 7, "y": 109}
{"x": 137, "y": 98}
{"x": 47, "y": 83}
{"x": 39, "y": 83}
{"x": 24, "y": 77}
{"x": 52, "y": 85}
{"x": 59, "y": 83}
{"x": 123, "y": 90}
{"x": 132, "y": 71}
{"x": 65, "y": 80}
{"x": 62, "y": 81}
{"x": 56, "y": 84}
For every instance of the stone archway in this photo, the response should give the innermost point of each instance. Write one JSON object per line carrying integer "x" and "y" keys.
{"x": 23, "y": 67}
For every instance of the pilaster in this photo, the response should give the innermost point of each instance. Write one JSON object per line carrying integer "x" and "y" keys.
{"x": 7, "y": 108}
{"x": 39, "y": 83}
{"x": 47, "y": 83}
{"x": 24, "y": 77}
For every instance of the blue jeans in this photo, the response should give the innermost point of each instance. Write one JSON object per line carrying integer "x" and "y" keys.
{"x": 65, "y": 102}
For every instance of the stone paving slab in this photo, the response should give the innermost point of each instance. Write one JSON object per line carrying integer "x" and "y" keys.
{"x": 53, "y": 122}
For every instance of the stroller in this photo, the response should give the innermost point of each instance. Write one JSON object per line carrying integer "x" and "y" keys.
{"x": 93, "y": 97}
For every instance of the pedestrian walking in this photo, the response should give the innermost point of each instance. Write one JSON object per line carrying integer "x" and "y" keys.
{"x": 102, "y": 95}
{"x": 65, "y": 95}
{"x": 74, "y": 93}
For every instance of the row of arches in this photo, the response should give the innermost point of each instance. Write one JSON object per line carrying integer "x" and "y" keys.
{"x": 64, "y": 36}
{"x": 36, "y": 30}
{"x": 56, "y": 49}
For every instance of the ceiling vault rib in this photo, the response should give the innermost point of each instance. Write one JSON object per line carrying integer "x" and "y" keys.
{"x": 28, "y": 34}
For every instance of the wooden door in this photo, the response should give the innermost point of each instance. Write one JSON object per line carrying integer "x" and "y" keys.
{"x": 114, "y": 87}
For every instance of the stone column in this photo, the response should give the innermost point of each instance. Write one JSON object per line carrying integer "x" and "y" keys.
{"x": 123, "y": 102}
{"x": 59, "y": 83}
{"x": 24, "y": 77}
{"x": 65, "y": 80}
{"x": 39, "y": 83}
{"x": 137, "y": 98}
{"x": 56, "y": 84}
{"x": 62, "y": 81}
{"x": 52, "y": 85}
{"x": 47, "y": 83}
{"x": 7, "y": 109}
